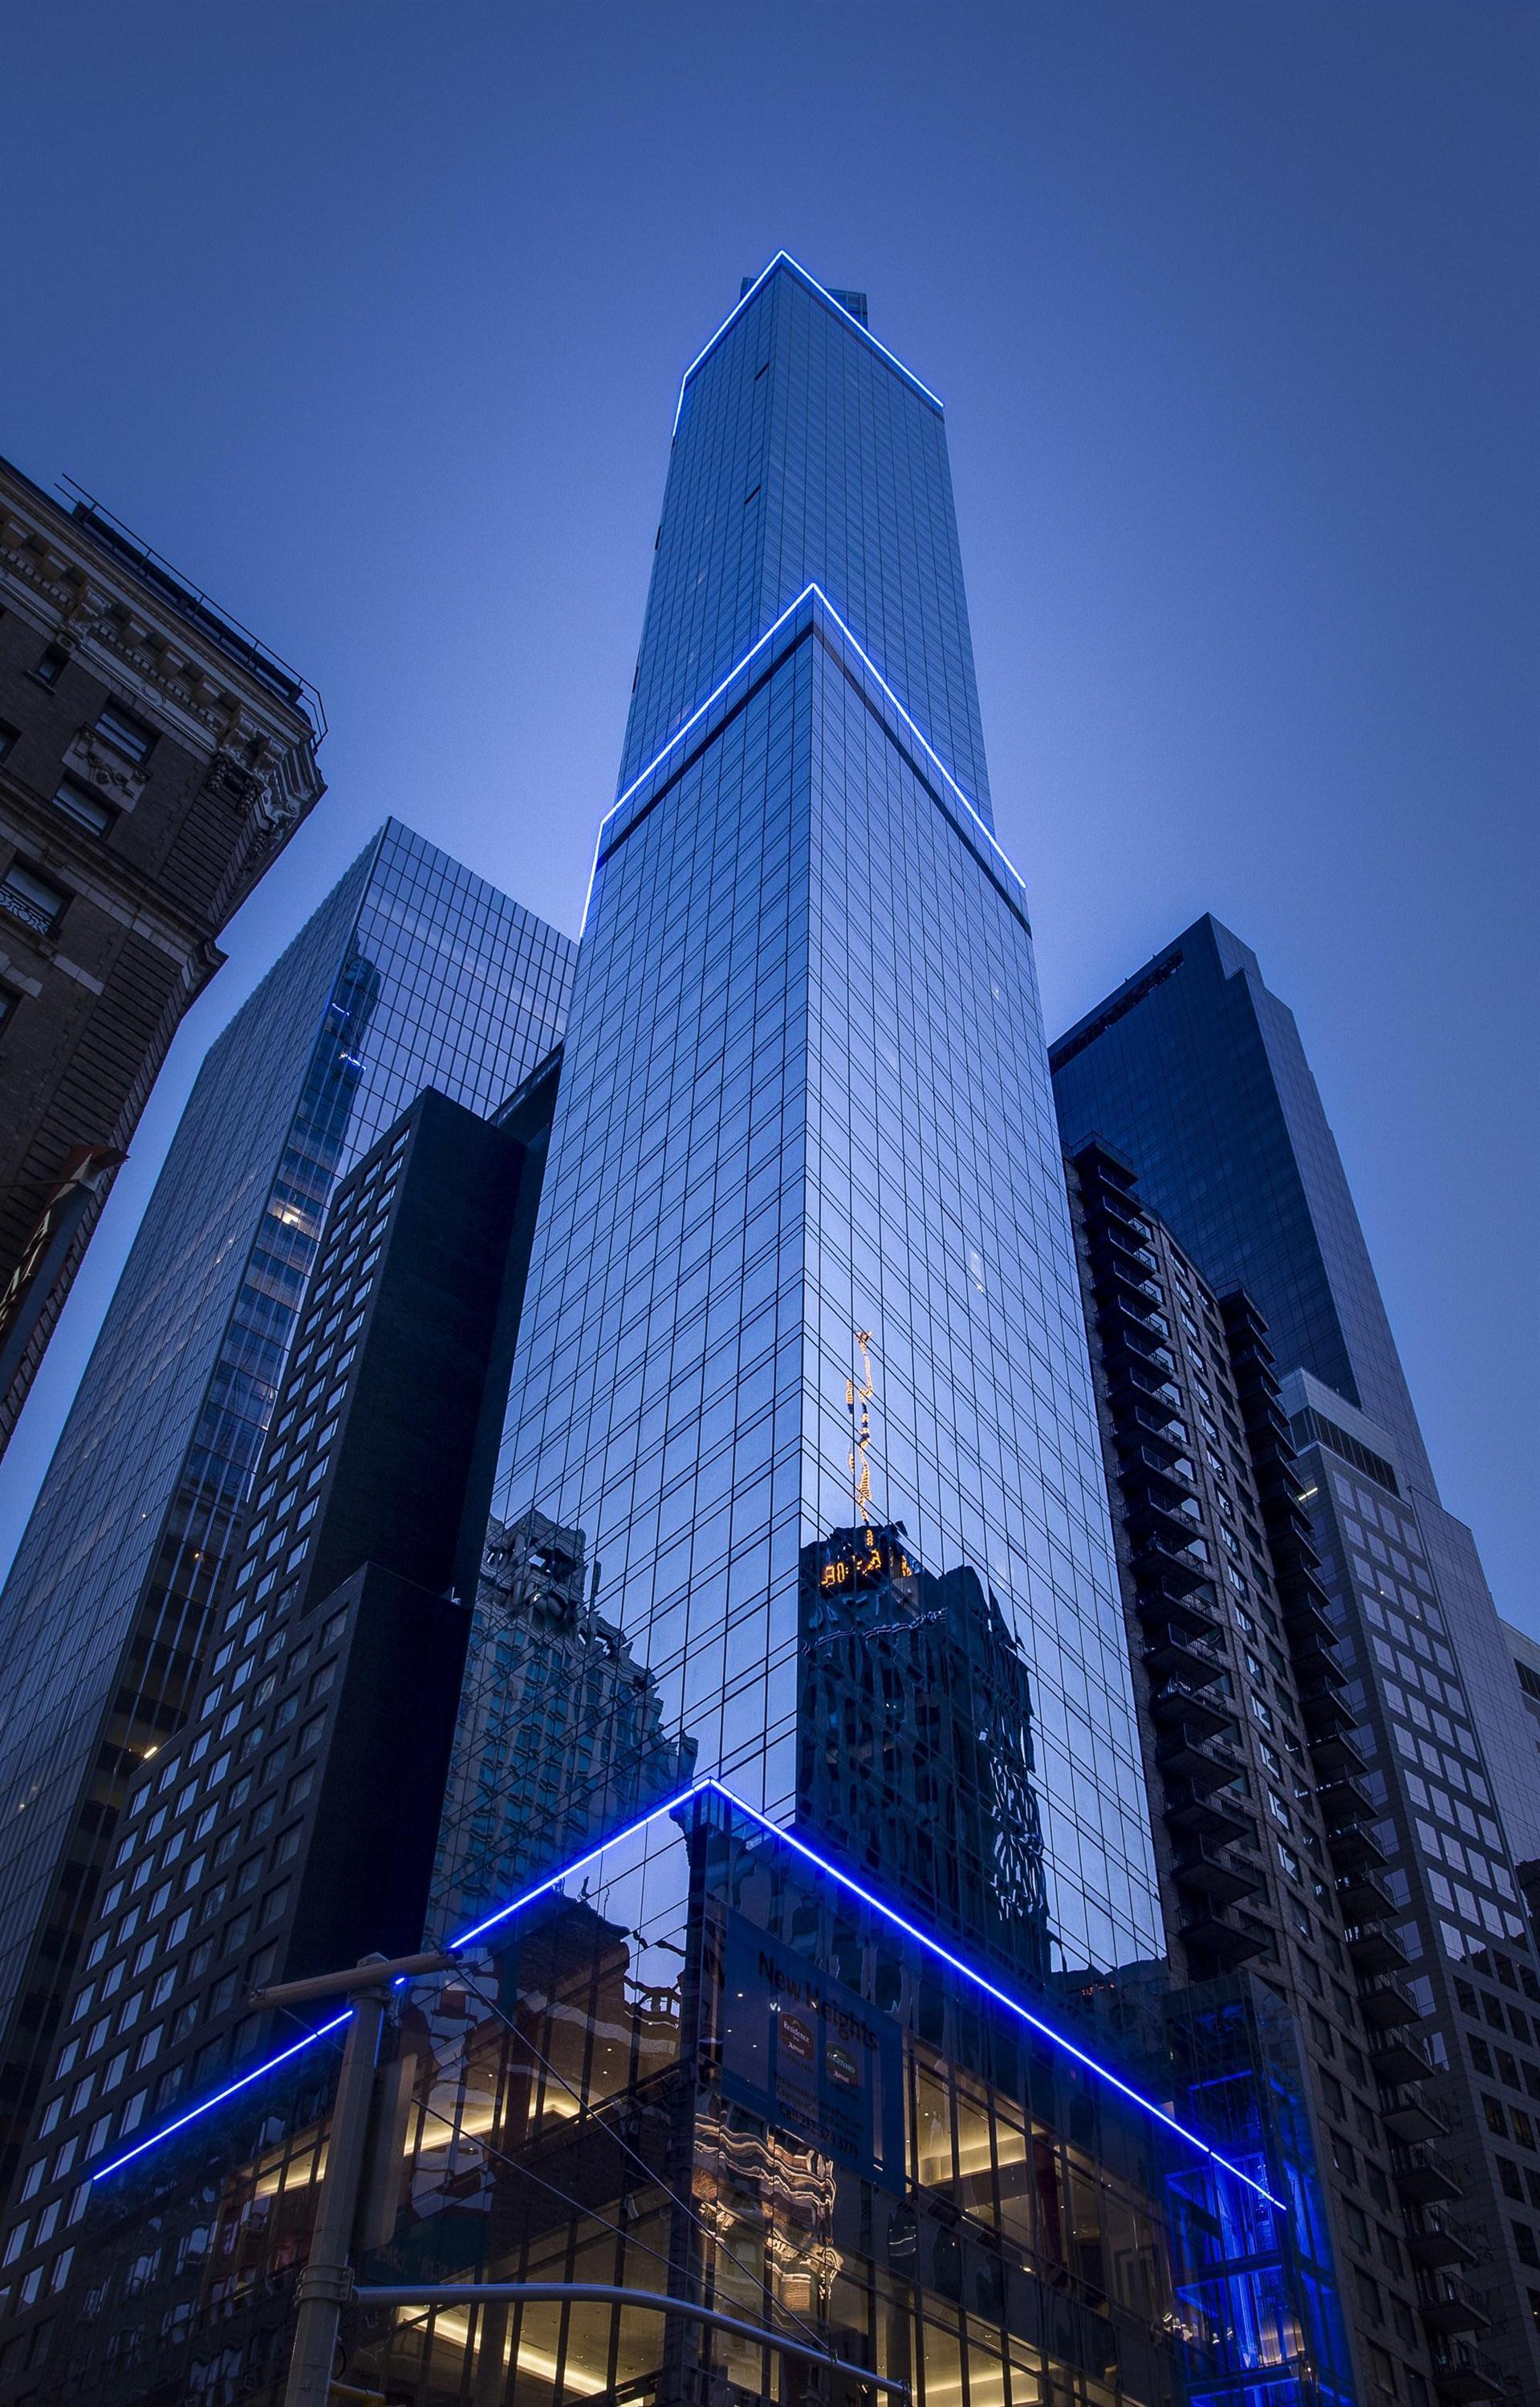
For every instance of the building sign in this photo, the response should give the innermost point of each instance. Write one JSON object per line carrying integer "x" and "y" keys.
{"x": 810, "y": 2056}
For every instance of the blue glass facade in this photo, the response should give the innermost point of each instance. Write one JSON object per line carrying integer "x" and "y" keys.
{"x": 804, "y": 453}
{"x": 411, "y": 972}
{"x": 804, "y": 1107}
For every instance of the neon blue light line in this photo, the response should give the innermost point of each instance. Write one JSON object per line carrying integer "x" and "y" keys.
{"x": 813, "y": 591}
{"x": 864, "y": 332}
{"x": 911, "y": 1930}
{"x": 543, "y": 1887}
{"x": 981, "y": 1981}
{"x": 924, "y": 743}
{"x": 958, "y": 1964}
{"x": 220, "y": 2095}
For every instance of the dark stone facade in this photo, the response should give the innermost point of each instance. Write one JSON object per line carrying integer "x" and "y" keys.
{"x": 154, "y": 760}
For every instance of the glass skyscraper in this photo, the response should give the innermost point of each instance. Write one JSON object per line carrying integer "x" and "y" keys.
{"x": 805, "y": 1130}
{"x": 412, "y": 973}
{"x": 795, "y": 1845}
{"x": 1195, "y": 1071}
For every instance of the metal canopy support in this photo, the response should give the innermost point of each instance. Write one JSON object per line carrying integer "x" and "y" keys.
{"x": 472, "y": 2294}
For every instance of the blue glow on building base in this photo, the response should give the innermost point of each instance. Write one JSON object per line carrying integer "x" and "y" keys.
{"x": 832, "y": 1871}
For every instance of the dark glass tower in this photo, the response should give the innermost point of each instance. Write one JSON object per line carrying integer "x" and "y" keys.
{"x": 412, "y": 972}
{"x": 1194, "y": 1070}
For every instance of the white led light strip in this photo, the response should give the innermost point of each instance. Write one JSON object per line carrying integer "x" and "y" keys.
{"x": 815, "y": 592}
{"x": 784, "y": 259}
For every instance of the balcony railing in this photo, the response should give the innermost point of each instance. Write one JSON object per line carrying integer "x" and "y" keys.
{"x": 1204, "y": 1872}
{"x": 1413, "y": 2113}
{"x": 1422, "y": 2175}
{"x": 1385, "y": 2002}
{"x": 1364, "y": 1898}
{"x": 1464, "y": 2375}
{"x": 1433, "y": 2237}
{"x": 32, "y": 915}
{"x": 1399, "y": 2057}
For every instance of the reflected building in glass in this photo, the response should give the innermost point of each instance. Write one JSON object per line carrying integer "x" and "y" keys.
{"x": 412, "y": 973}
{"x": 805, "y": 1096}
{"x": 759, "y": 2051}
{"x": 551, "y": 1690}
{"x": 916, "y": 1752}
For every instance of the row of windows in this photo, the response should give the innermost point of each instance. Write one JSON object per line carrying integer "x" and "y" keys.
{"x": 24, "y": 891}
{"x": 158, "y": 1852}
{"x": 227, "y": 1712}
{"x": 1518, "y": 2072}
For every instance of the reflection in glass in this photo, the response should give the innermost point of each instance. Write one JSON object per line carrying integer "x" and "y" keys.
{"x": 701, "y": 2067}
{"x": 560, "y": 1737}
{"x": 915, "y": 1740}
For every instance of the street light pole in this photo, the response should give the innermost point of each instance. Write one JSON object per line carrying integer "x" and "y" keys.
{"x": 326, "y": 2285}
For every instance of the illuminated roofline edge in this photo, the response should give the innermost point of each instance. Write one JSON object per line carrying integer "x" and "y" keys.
{"x": 708, "y": 1786}
{"x": 784, "y": 258}
{"x": 812, "y": 591}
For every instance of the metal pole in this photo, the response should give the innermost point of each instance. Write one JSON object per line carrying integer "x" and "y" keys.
{"x": 326, "y": 2284}
{"x": 471, "y": 2293}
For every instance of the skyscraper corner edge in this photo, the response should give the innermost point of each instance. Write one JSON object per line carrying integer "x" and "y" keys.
{"x": 813, "y": 602}
{"x": 783, "y": 259}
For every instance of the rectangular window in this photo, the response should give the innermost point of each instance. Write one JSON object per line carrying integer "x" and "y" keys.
{"x": 31, "y": 898}
{"x": 84, "y": 808}
{"x": 51, "y": 665}
{"x": 119, "y": 728}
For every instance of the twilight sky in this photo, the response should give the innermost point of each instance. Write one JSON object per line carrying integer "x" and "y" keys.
{"x": 371, "y": 318}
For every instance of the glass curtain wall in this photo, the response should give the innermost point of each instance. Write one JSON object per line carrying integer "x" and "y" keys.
{"x": 412, "y": 973}
{"x": 805, "y": 1126}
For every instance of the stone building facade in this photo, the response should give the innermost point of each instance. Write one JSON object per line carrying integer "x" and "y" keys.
{"x": 154, "y": 760}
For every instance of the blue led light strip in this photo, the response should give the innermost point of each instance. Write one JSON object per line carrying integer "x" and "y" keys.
{"x": 980, "y": 1981}
{"x": 815, "y": 592}
{"x": 784, "y": 258}
{"x": 889, "y": 1913}
{"x": 269, "y": 2065}
{"x": 543, "y": 1888}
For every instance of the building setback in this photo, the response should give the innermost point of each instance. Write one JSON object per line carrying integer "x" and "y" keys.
{"x": 1195, "y": 1071}
{"x": 411, "y": 972}
{"x": 291, "y": 1824}
{"x": 154, "y": 760}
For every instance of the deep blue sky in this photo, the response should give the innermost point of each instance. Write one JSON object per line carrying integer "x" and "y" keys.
{"x": 371, "y": 318}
